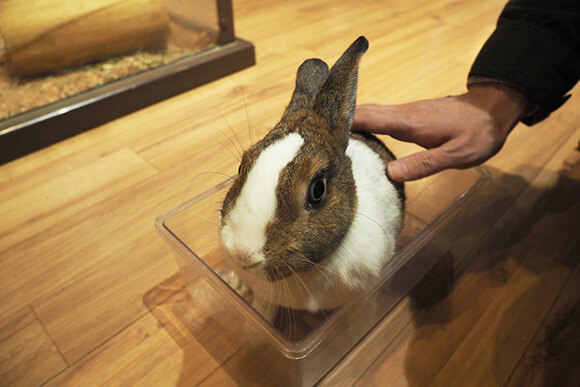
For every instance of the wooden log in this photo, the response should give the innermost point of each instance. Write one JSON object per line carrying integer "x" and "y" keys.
{"x": 43, "y": 36}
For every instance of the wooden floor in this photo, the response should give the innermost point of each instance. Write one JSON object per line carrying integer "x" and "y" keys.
{"x": 88, "y": 288}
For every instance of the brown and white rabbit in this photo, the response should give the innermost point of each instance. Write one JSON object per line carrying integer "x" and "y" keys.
{"x": 312, "y": 217}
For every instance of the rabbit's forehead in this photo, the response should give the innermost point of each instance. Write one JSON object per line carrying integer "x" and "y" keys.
{"x": 315, "y": 133}
{"x": 312, "y": 128}
{"x": 245, "y": 228}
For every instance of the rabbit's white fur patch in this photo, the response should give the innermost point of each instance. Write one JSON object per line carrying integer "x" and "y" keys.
{"x": 244, "y": 233}
{"x": 370, "y": 241}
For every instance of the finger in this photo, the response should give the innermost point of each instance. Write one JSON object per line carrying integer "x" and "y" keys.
{"x": 419, "y": 165}
{"x": 381, "y": 119}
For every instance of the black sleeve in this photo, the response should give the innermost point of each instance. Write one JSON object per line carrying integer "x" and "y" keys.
{"x": 535, "y": 48}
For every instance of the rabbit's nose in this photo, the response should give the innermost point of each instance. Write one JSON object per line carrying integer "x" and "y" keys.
{"x": 243, "y": 246}
{"x": 248, "y": 259}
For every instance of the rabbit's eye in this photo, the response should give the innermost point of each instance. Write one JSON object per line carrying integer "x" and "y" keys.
{"x": 316, "y": 191}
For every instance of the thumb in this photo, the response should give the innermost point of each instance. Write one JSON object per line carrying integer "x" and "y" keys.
{"x": 418, "y": 165}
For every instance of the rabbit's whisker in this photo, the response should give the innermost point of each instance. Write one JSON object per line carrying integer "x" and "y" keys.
{"x": 250, "y": 129}
{"x": 288, "y": 314}
{"x": 298, "y": 279}
{"x": 202, "y": 174}
{"x": 321, "y": 270}
{"x": 350, "y": 253}
{"x": 238, "y": 154}
{"x": 374, "y": 221}
{"x": 298, "y": 275}
{"x": 300, "y": 284}
{"x": 284, "y": 293}
{"x": 209, "y": 220}
{"x": 241, "y": 148}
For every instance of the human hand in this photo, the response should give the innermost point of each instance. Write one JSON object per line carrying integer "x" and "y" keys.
{"x": 458, "y": 131}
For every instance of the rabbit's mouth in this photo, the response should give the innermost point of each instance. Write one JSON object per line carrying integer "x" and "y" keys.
{"x": 275, "y": 274}
{"x": 260, "y": 268}
{"x": 287, "y": 264}
{"x": 249, "y": 260}
{"x": 250, "y": 266}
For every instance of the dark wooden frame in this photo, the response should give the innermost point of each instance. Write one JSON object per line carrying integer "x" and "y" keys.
{"x": 33, "y": 130}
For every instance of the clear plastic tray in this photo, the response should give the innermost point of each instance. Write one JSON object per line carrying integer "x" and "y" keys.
{"x": 302, "y": 352}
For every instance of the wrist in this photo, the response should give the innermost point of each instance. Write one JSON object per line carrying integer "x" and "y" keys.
{"x": 505, "y": 105}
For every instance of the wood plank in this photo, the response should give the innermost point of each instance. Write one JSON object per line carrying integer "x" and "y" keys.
{"x": 447, "y": 186}
{"x": 521, "y": 154}
{"x": 125, "y": 222}
{"x": 440, "y": 322}
{"x": 569, "y": 111}
{"x": 63, "y": 197}
{"x": 241, "y": 369}
{"x": 358, "y": 361}
{"x": 124, "y": 269}
{"x": 494, "y": 346}
{"x": 190, "y": 325}
{"x": 552, "y": 357}
{"x": 142, "y": 353}
{"x": 14, "y": 181}
{"x": 174, "y": 344}
{"x": 16, "y": 321}
{"x": 28, "y": 356}
{"x": 204, "y": 344}
{"x": 56, "y": 235}
{"x": 43, "y": 159}
{"x": 80, "y": 315}
{"x": 553, "y": 216}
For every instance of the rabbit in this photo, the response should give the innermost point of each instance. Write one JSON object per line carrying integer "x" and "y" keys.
{"x": 312, "y": 216}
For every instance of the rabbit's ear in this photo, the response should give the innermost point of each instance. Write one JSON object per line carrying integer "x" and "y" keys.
{"x": 309, "y": 77}
{"x": 336, "y": 100}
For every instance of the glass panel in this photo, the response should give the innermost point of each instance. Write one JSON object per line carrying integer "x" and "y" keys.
{"x": 51, "y": 50}
{"x": 199, "y": 15}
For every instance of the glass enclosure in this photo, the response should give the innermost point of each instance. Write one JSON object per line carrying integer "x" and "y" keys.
{"x": 63, "y": 59}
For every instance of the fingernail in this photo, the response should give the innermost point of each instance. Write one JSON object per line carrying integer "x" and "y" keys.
{"x": 397, "y": 170}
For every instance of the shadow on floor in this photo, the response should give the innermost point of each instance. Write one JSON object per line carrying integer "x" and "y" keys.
{"x": 504, "y": 285}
